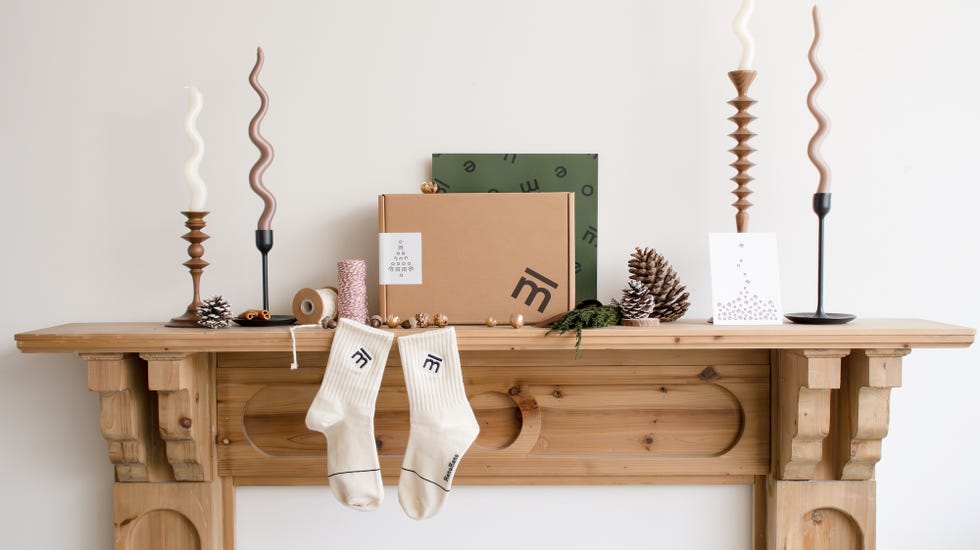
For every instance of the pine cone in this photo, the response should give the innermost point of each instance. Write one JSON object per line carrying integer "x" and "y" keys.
{"x": 215, "y": 312}
{"x": 637, "y": 302}
{"x": 650, "y": 268}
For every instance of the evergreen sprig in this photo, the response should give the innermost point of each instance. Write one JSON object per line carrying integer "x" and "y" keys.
{"x": 593, "y": 316}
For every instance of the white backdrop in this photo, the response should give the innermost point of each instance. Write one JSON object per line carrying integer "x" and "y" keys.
{"x": 362, "y": 93}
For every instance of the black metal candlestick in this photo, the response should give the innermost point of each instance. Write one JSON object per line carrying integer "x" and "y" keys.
{"x": 821, "y": 206}
{"x": 263, "y": 241}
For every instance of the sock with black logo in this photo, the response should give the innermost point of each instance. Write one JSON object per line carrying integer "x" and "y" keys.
{"x": 343, "y": 410}
{"x": 442, "y": 423}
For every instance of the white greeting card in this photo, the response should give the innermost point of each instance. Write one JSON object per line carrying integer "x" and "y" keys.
{"x": 400, "y": 258}
{"x": 745, "y": 279}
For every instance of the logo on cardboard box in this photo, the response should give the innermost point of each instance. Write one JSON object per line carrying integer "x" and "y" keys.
{"x": 533, "y": 284}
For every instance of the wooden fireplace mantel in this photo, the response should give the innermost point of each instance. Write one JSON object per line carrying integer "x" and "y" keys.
{"x": 798, "y": 412}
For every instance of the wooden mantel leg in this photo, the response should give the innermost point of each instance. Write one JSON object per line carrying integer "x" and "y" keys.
{"x": 807, "y": 508}
{"x": 826, "y": 444}
{"x": 157, "y": 415}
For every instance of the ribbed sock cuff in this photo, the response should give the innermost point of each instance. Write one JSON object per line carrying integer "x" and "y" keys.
{"x": 430, "y": 363}
{"x": 357, "y": 360}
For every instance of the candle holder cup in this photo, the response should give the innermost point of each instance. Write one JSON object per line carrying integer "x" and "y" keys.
{"x": 195, "y": 222}
{"x": 821, "y": 207}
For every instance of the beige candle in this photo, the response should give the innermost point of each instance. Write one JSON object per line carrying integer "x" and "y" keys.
{"x": 823, "y": 123}
{"x": 266, "y": 154}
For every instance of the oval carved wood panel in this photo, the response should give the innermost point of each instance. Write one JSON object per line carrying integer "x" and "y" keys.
{"x": 655, "y": 420}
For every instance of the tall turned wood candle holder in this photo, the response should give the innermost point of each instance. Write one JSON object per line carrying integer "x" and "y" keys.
{"x": 742, "y": 79}
{"x": 195, "y": 222}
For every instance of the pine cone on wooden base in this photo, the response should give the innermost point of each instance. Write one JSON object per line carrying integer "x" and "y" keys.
{"x": 650, "y": 268}
{"x": 215, "y": 312}
{"x": 637, "y": 305}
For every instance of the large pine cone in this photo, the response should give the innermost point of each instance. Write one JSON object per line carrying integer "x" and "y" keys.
{"x": 650, "y": 268}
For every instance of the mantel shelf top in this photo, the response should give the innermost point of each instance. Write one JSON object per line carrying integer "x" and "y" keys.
{"x": 683, "y": 334}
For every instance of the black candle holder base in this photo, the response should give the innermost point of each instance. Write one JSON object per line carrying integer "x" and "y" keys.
{"x": 274, "y": 321}
{"x": 820, "y": 318}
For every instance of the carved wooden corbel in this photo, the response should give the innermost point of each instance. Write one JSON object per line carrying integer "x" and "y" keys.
{"x": 804, "y": 381}
{"x": 185, "y": 393}
{"x": 868, "y": 376}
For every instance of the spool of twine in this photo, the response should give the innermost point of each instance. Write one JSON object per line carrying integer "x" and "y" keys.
{"x": 352, "y": 290}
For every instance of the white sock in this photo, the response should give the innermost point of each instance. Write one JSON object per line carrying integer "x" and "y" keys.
{"x": 344, "y": 411}
{"x": 443, "y": 424}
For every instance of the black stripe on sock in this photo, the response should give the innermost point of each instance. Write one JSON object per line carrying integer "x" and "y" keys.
{"x": 354, "y": 472}
{"x": 426, "y": 479}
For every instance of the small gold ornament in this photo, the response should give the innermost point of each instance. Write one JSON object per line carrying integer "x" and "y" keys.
{"x": 393, "y": 321}
{"x": 491, "y": 322}
{"x": 517, "y": 320}
{"x": 422, "y": 320}
{"x": 441, "y": 320}
{"x": 429, "y": 187}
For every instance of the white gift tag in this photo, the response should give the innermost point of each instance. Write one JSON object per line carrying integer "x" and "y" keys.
{"x": 745, "y": 279}
{"x": 400, "y": 258}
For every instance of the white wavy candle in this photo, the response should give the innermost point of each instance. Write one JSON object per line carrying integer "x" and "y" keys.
{"x": 741, "y": 27}
{"x": 199, "y": 191}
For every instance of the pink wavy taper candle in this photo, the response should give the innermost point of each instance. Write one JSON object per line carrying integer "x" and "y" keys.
{"x": 823, "y": 123}
{"x": 264, "y": 147}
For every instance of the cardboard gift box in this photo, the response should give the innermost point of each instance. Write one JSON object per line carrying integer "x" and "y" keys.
{"x": 472, "y": 256}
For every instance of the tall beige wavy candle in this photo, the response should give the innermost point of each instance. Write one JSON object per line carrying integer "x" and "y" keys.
{"x": 265, "y": 148}
{"x": 823, "y": 123}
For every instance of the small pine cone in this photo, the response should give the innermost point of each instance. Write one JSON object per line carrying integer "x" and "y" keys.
{"x": 637, "y": 302}
{"x": 422, "y": 320}
{"x": 650, "y": 268}
{"x": 215, "y": 312}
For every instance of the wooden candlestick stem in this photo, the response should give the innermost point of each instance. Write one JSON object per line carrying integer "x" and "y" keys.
{"x": 264, "y": 241}
{"x": 195, "y": 222}
{"x": 742, "y": 79}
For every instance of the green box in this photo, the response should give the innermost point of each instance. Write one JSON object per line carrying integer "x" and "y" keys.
{"x": 531, "y": 173}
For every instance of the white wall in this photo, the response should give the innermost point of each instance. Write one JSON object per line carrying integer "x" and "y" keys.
{"x": 362, "y": 92}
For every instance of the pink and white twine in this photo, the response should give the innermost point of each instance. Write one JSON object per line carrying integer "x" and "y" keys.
{"x": 352, "y": 290}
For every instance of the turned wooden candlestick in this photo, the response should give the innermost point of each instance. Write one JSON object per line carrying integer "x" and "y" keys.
{"x": 195, "y": 222}
{"x": 742, "y": 79}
